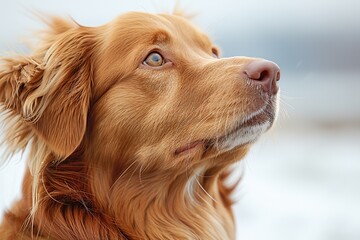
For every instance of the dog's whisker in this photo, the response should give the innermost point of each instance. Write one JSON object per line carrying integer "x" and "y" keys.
{"x": 121, "y": 175}
{"x": 131, "y": 176}
{"x": 204, "y": 190}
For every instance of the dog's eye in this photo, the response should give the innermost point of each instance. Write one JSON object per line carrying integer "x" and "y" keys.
{"x": 154, "y": 60}
{"x": 215, "y": 53}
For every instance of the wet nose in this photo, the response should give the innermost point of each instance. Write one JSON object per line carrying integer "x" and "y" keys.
{"x": 264, "y": 73}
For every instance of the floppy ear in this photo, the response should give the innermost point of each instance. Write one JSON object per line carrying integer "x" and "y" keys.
{"x": 51, "y": 89}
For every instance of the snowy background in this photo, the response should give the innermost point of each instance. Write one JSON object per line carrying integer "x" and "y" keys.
{"x": 302, "y": 179}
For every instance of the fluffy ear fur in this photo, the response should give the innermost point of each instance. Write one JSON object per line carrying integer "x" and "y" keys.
{"x": 49, "y": 91}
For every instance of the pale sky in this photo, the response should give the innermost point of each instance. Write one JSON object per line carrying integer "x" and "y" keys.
{"x": 245, "y": 15}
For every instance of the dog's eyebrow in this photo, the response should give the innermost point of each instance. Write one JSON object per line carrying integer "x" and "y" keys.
{"x": 161, "y": 36}
{"x": 205, "y": 41}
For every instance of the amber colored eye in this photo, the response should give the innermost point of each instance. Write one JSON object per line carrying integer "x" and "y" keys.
{"x": 154, "y": 60}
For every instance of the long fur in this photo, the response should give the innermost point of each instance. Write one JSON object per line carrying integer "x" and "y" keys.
{"x": 103, "y": 131}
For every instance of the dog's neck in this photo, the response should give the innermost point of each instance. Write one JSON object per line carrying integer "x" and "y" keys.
{"x": 88, "y": 202}
{"x": 185, "y": 206}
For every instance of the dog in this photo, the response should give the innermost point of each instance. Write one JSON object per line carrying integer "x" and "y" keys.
{"x": 131, "y": 128}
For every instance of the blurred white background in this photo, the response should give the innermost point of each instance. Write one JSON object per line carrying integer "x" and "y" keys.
{"x": 302, "y": 179}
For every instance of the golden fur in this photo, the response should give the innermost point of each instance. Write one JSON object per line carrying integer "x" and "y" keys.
{"x": 106, "y": 133}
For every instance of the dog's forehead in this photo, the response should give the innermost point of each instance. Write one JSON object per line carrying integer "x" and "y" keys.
{"x": 146, "y": 27}
{"x": 127, "y": 40}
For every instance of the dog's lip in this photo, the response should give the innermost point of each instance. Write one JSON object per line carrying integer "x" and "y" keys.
{"x": 256, "y": 118}
{"x": 188, "y": 147}
{"x": 208, "y": 143}
{"x": 259, "y": 117}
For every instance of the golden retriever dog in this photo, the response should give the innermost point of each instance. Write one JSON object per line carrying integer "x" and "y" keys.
{"x": 130, "y": 128}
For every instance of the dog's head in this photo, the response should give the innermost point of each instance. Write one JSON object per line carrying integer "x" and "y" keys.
{"x": 144, "y": 89}
{"x": 164, "y": 97}
{"x": 145, "y": 92}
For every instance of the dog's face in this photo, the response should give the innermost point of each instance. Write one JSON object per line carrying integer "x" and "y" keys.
{"x": 164, "y": 98}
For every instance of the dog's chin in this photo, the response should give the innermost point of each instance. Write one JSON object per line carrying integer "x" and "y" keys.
{"x": 243, "y": 136}
{"x": 248, "y": 130}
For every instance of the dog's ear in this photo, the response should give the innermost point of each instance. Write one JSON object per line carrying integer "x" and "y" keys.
{"x": 51, "y": 90}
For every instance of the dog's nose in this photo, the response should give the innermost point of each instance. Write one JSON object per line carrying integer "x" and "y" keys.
{"x": 265, "y": 73}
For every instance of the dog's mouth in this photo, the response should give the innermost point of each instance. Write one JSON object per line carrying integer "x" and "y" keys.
{"x": 189, "y": 146}
{"x": 243, "y": 132}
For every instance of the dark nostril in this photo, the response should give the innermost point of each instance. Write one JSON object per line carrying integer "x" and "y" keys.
{"x": 278, "y": 75}
{"x": 265, "y": 74}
